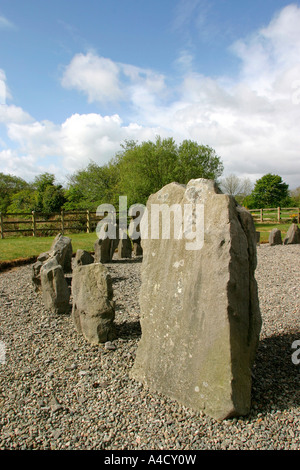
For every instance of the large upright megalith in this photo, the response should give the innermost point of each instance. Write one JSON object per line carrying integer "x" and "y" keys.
{"x": 200, "y": 314}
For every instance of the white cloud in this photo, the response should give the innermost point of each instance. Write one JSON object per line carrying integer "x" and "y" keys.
{"x": 5, "y": 23}
{"x": 103, "y": 80}
{"x": 97, "y": 77}
{"x": 251, "y": 121}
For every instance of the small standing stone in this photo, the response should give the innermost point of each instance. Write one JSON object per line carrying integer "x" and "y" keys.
{"x": 292, "y": 236}
{"x": 55, "y": 290}
{"x": 124, "y": 247}
{"x": 93, "y": 309}
{"x": 62, "y": 250}
{"x": 137, "y": 248}
{"x": 83, "y": 257}
{"x": 275, "y": 237}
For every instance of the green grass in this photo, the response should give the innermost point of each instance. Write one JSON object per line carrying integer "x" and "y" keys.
{"x": 265, "y": 229}
{"x": 27, "y": 247}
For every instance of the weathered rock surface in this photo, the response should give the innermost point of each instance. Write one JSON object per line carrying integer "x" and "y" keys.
{"x": 275, "y": 237}
{"x": 200, "y": 314}
{"x": 292, "y": 236}
{"x": 36, "y": 275}
{"x": 137, "y": 248}
{"x": 55, "y": 290}
{"x": 83, "y": 257}
{"x": 93, "y": 306}
{"x": 124, "y": 247}
{"x": 62, "y": 250}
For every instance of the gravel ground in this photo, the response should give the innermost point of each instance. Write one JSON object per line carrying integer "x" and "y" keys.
{"x": 59, "y": 392}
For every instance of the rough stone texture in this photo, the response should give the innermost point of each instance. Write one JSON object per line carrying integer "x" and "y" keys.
{"x": 137, "y": 248}
{"x": 258, "y": 238}
{"x": 83, "y": 257}
{"x": 62, "y": 250}
{"x": 200, "y": 314}
{"x": 124, "y": 247}
{"x": 93, "y": 309}
{"x": 293, "y": 235}
{"x": 36, "y": 275}
{"x": 55, "y": 290}
{"x": 275, "y": 237}
{"x": 103, "y": 251}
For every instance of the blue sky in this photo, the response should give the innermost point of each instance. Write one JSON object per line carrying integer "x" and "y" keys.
{"x": 78, "y": 78}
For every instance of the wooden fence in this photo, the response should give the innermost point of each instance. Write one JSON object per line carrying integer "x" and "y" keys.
{"x": 37, "y": 224}
{"x": 276, "y": 215}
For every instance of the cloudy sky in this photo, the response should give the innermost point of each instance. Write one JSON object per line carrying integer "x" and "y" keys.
{"x": 77, "y": 78}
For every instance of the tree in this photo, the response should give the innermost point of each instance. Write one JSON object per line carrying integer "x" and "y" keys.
{"x": 49, "y": 197}
{"x": 269, "y": 191}
{"x": 295, "y": 195}
{"x": 9, "y": 185}
{"x": 23, "y": 201}
{"x": 147, "y": 167}
{"x": 94, "y": 185}
{"x": 197, "y": 161}
{"x": 240, "y": 188}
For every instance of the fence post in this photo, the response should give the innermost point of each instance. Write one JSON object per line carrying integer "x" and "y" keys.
{"x": 88, "y": 221}
{"x": 261, "y": 215}
{"x": 62, "y": 216}
{"x": 33, "y": 224}
{"x": 1, "y": 225}
{"x": 278, "y": 214}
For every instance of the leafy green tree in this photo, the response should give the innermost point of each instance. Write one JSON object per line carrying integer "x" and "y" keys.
{"x": 49, "y": 197}
{"x": 147, "y": 167}
{"x": 269, "y": 191}
{"x": 22, "y": 201}
{"x": 92, "y": 186}
{"x": 9, "y": 185}
{"x": 197, "y": 161}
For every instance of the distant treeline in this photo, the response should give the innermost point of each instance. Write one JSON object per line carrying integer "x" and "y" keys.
{"x": 137, "y": 171}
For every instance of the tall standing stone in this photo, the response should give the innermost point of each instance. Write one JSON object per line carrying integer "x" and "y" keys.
{"x": 200, "y": 314}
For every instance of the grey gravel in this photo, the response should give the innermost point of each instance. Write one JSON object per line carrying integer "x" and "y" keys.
{"x": 59, "y": 392}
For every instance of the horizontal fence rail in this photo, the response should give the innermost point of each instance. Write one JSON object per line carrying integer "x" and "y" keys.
{"x": 277, "y": 214}
{"x": 38, "y": 224}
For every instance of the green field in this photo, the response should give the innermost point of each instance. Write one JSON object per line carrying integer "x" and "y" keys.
{"x": 265, "y": 229}
{"x": 28, "y": 247}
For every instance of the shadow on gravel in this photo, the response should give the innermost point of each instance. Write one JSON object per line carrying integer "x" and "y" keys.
{"x": 138, "y": 259}
{"x": 129, "y": 330}
{"x": 276, "y": 381}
